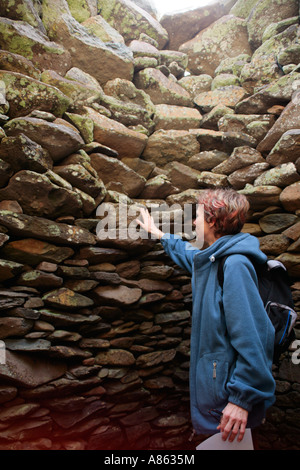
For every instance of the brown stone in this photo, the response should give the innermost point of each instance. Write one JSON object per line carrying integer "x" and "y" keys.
{"x": 119, "y": 296}
{"x": 166, "y": 146}
{"x": 261, "y": 197}
{"x": 182, "y": 176}
{"x": 32, "y": 251}
{"x": 161, "y": 89}
{"x": 176, "y": 117}
{"x": 140, "y": 21}
{"x": 43, "y": 53}
{"x": 239, "y": 178}
{"x": 28, "y": 155}
{"x": 26, "y": 371}
{"x": 183, "y": 26}
{"x": 25, "y": 94}
{"x": 67, "y": 299}
{"x": 39, "y": 279}
{"x": 97, "y": 255}
{"x": 276, "y": 223}
{"x": 17, "y": 63}
{"x": 126, "y": 142}
{"x": 291, "y": 262}
{"x": 39, "y": 196}
{"x": 60, "y": 140}
{"x": 290, "y": 197}
{"x": 81, "y": 178}
{"x": 158, "y": 187}
{"x": 111, "y": 169}
{"x": 282, "y": 175}
{"x": 240, "y": 158}
{"x": 289, "y": 119}
{"x": 9, "y": 269}
{"x": 287, "y": 149}
{"x": 204, "y": 51}
{"x": 115, "y": 357}
{"x": 86, "y": 48}
{"x": 44, "y": 229}
{"x": 227, "y": 96}
{"x": 274, "y": 244}
{"x": 155, "y": 358}
{"x": 14, "y": 327}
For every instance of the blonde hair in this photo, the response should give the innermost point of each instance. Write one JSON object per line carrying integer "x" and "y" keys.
{"x": 226, "y": 208}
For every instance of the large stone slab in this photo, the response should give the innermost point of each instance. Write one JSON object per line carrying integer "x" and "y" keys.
{"x": 265, "y": 13}
{"x": 227, "y": 96}
{"x": 19, "y": 64}
{"x": 85, "y": 48}
{"x": 282, "y": 175}
{"x": 9, "y": 269}
{"x": 39, "y": 196}
{"x": 25, "y": 94}
{"x": 22, "y": 10}
{"x": 97, "y": 255}
{"x": 44, "y": 229}
{"x": 97, "y": 26}
{"x": 23, "y": 154}
{"x": 183, "y": 26}
{"x": 226, "y": 37}
{"x": 130, "y": 21}
{"x": 261, "y": 197}
{"x": 78, "y": 93}
{"x": 239, "y": 178}
{"x": 276, "y": 223}
{"x": 65, "y": 298}
{"x": 21, "y": 38}
{"x": 58, "y": 138}
{"x": 240, "y": 158}
{"x": 115, "y": 357}
{"x": 31, "y": 251}
{"x": 81, "y": 178}
{"x": 263, "y": 68}
{"x": 289, "y": 119}
{"x": 117, "y": 295}
{"x": 161, "y": 89}
{"x": 176, "y": 117}
{"x": 111, "y": 169}
{"x": 26, "y": 371}
{"x": 166, "y": 146}
{"x": 127, "y": 142}
{"x": 14, "y": 327}
{"x": 279, "y": 92}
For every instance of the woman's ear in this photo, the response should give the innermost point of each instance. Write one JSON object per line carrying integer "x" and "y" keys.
{"x": 211, "y": 223}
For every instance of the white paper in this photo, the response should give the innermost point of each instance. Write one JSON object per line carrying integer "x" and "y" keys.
{"x": 216, "y": 442}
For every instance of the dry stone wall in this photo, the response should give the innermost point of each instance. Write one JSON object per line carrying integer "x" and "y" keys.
{"x": 101, "y": 103}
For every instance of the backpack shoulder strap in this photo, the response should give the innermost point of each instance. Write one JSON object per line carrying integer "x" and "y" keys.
{"x": 221, "y": 270}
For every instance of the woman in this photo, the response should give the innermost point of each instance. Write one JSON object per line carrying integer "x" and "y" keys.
{"x": 232, "y": 337}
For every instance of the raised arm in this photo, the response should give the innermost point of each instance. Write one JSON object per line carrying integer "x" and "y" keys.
{"x": 181, "y": 252}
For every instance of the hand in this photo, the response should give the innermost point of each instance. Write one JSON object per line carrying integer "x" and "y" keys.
{"x": 233, "y": 422}
{"x": 148, "y": 224}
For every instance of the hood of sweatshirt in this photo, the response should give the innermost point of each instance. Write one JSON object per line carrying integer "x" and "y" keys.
{"x": 241, "y": 243}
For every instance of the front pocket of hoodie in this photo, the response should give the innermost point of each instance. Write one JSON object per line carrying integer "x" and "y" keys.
{"x": 211, "y": 380}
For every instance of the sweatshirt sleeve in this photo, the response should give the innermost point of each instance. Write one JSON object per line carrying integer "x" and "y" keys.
{"x": 251, "y": 333}
{"x": 182, "y": 253}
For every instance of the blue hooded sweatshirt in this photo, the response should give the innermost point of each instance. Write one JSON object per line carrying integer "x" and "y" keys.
{"x": 232, "y": 338}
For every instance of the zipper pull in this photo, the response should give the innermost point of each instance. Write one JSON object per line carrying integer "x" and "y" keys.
{"x": 215, "y": 370}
